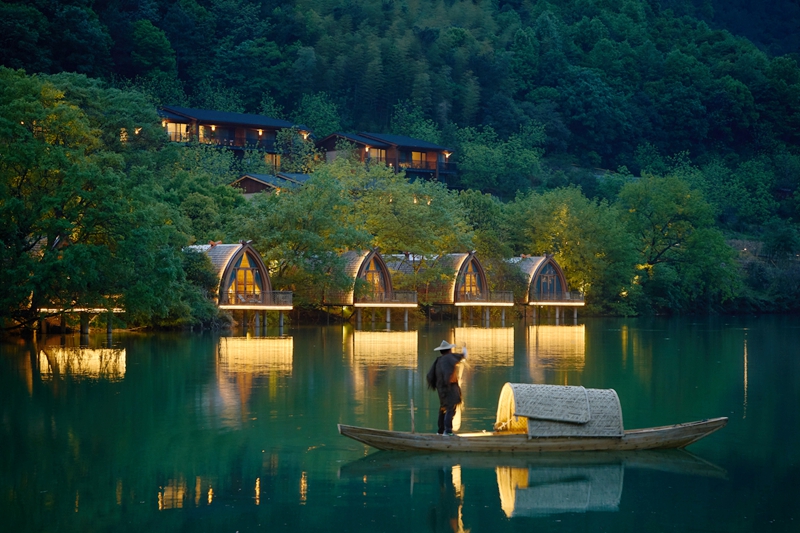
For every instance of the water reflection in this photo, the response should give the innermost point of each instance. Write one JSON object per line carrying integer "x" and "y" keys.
{"x": 397, "y": 349}
{"x": 559, "y": 489}
{"x": 550, "y": 347}
{"x": 256, "y": 355}
{"x": 527, "y": 486}
{"x": 487, "y": 346}
{"x": 81, "y": 362}
{"x": 370, "y": 356}
{"x": 241, "y": 361}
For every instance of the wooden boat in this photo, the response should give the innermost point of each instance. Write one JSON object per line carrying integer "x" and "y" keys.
{"x": 546, "y": 418}
{"x": 656, "y": 438}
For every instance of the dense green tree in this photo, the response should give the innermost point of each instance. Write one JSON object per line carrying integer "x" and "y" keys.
{"x": 79, "y": 225}
{"x": 319, "y": 114}
{"x": 684, "y": 261}
{"x": 151, "y": 49}
{"x": 502, "y": 167}
{"x": 299, "y": 232}
{"x": 587, "y": 238}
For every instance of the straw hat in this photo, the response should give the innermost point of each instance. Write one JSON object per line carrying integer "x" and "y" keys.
{"x": 444, "y": 346}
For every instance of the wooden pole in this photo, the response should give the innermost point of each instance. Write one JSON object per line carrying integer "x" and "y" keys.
{"x": 412, "y": 416}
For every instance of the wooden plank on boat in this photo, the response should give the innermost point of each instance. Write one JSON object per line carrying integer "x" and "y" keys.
{"x": 676, "y": 436}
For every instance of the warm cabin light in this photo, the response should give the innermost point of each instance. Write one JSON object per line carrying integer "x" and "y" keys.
{"x": 303, "y": 487}
{"x": 487, "y": 346}
{"x": 256, "y": 356}
{"x": 163, "y": 123}
{"x": 415, "y": 199}
{"x": 213, "y": 128}
{"x": 260, "y": 132}
{"x": 77, "y": 362}
{"x": 305, "y": 134}
{"x": 556, "y": 348}
{"x": 447, "y": 155}
{"x": 389, "y": 349}
{"x": 137, "y": 130}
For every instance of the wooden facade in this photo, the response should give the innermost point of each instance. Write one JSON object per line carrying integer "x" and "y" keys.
{"x": 416, "y": 157}
{"x": 244, "y": 282}
{"x": 235, "y": 131}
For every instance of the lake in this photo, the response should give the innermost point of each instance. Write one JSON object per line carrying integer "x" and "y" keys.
{"x": 224, "y": 433}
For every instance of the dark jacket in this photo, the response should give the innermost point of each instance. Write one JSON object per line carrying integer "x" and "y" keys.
{"x": 442, "y": 377}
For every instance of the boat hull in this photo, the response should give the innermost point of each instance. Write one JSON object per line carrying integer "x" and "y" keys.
{"x": 664, "y": 437}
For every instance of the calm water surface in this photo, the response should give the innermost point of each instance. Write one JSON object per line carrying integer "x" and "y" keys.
{"x": 207, "y": 433}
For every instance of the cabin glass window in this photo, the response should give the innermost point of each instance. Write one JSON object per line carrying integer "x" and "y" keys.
{"x": 470, "y": 286}
{"x": 246, "y": 283}
{"x": 374, "y": 276}
{"x": 273, "y": 161}
{"x": 177, "y": 132}
{"x": 548, "y": 284}
{"x": 377, "y": 154}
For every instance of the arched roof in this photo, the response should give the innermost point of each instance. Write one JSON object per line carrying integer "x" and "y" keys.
{"x": 532, "y": 266}
{"x": 356, "y": 262}
{"x": 225, "y": 257}
{"x": 457, "y": 263}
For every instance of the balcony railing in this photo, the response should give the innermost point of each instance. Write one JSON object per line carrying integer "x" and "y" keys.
{"x": 276, "y": 298}
{"x": 178, "y": 136}
{"x": 266, "y": 145}
{"x": 490, "y": 297}
{"x": 418, "y": 165}
{"x": 373, "y": 298}
{"x": 396, "y": 297}
{"x": 572, "y": 296}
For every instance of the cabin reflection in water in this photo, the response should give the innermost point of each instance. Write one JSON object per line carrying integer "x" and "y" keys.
{"x": 555, "y": 348}
{"x": 539, "y": 491}
{"x": 82, "y": 362}
{"x": 396, "y": 349}
{"x": 256, "y": 355}
{"x": 487, "y": 346}
{"x": 370, "y": 355}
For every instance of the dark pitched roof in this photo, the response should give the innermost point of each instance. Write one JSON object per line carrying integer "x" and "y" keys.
{"x": 357, "y": 139}
{"x": 402, "y": 141}
{"x": 281, "y": 180}
{"x": 294, "y": 176}
{"x": 206, "y": 115}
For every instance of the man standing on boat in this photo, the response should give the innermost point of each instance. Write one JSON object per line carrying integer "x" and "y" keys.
{"x": 443, "y": 376}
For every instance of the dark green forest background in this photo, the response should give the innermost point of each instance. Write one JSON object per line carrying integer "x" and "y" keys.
{"x": 534, "y": 96}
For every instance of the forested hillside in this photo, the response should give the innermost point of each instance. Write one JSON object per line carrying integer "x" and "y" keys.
{"x": 697, "y": 128}
{"x": 603, "y": 77}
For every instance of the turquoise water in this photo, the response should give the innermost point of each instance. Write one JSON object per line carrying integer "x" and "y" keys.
{"x": 197, "y": 432}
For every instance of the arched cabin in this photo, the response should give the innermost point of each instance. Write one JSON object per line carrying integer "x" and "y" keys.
{"x": 547, "y": 285}
{"x": 466, "y": 284}
{"x": 244, "y": 282}
{"x": 371, "y": 285}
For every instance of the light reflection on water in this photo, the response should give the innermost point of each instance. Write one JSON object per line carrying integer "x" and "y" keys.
{"x": 217, "y": 433}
